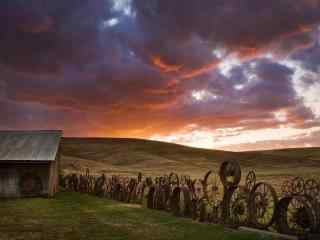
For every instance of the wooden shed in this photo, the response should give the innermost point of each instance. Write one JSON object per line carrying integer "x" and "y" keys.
{"x": 29, "y": 163}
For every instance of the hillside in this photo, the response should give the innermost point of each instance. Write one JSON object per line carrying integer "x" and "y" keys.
{"x": 129, "y": 156}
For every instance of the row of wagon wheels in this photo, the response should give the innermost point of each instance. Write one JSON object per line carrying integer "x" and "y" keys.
{"x": 217, "y": 198}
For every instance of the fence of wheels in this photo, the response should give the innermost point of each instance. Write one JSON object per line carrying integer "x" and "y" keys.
{"x": 216, "y": 198}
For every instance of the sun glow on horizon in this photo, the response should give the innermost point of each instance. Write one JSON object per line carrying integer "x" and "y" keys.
{"x": 234, "y": 139}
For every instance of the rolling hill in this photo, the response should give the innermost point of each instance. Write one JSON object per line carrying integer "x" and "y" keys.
{"x": 130, "y": 156}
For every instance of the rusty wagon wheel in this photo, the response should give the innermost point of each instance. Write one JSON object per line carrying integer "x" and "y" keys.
{"x": 99, "y": 186}
{"x": 230, "y": 174}
{"x": 159, "y": 198}
{"x": 175, "y": 201}
{"x": 286, "y": 188}
{"x": 185, "y": 204}
{"x": 199, "y": 209}
{"x": 239, "y": 211}
{"x": 250, "y": 181}
{"x": 216, "y": 214}
{"x": 131, "y": 190}
{"x": 166, "y": 191}
{"x": 148, "y": 196}
{"x": 91, "y": 181}
{"x": 116, "y": 189}
{"x": 139, "y": 192}
{"x": 30, "y": 185}
{"x": 197, "y": 189}
{"x": 212, "y": 186}
{"x": 298, "y": 185}
{"x": 296, "y": 216}
{"x": 139, "y": 177}
{"x": 109, "y": 188}
{"x": 262, "y": 205}
{"x": 174, "y": 180}
{"x": 312, "y": 188}
{"x": 147, "y": 193}
{"x": 185, "y": 180}
{"x": 83, "y": 184}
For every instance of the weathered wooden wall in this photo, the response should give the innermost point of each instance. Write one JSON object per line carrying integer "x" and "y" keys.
{"x": 10, "y": 175}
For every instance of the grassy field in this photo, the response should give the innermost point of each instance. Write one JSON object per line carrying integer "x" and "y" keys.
{"x": 130, "y": 156}
{"x": 71, "y": 216}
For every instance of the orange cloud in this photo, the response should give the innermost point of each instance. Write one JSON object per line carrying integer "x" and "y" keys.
{"x": 183, "y": 73}
{"x": 164, "y": 66}
{"x": 201, "y": 70}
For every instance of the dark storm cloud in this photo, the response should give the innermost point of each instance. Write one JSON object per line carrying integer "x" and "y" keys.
{"x": 234, "y": 24}
{"x": 81, "y": 64}
{"x": 69, "y": 32}
{"x": 41, "y": 36}
{"x": 269, "y": 90}
{"x": 273, "y": 85}
{"x": 19, "y": 115}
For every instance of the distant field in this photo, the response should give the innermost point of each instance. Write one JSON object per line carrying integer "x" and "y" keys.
{"x": 130, "y": 156}
{"x": 71, "y": 216}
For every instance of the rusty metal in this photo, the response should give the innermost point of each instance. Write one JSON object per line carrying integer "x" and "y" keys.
{"x": 139, "y": 192}
{"x": 216, "y": 214}
{"x": 286, "y": 188}
{"x": 131, "y": 189}
{"x": 197, "y": 189}
{"x": 216, "y": 198}
{"x": 212, "y": 187}
{"x": 250, "y": 181}
{"x": 175, "y": 201}
{"x": 213, "y": 194}
{"x": 262, "y": 205}
{"x": 312, "y": 188}
{"x": 185, "y": 180}
{"x": 139, "y": 177}
{"x": 185, "y": 202}
{"x": 225, "y": 204}
{"x": 239, "y": 210}
{"x": 99, "y": 186}
{"x": 159, "y": 196}
{"x": 298, "y": 185}
{"x": 198, "y": 207}
{"x": 73, "y": 182}
{"x": 174, "y": 179}
{"x": 83, "y": 184}
{"x": 230, "y": 174}
{"x": 148, "y": 193}
{"x": 295, "y": 216}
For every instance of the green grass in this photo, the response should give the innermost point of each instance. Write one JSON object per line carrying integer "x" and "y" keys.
{"x": 72, "y": 216}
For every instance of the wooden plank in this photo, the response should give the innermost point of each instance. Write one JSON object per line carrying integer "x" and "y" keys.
{"x": 54, "y": 176}
{"x": 51, "y": 182}
{"x": 57, "y": 169}
{"x": 9, "y": 183}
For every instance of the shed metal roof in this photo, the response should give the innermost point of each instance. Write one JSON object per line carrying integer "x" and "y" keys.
{"x": 29, "y": 145}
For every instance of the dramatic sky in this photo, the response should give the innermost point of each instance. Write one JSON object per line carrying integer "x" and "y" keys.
{"x": 224, "y": 74}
